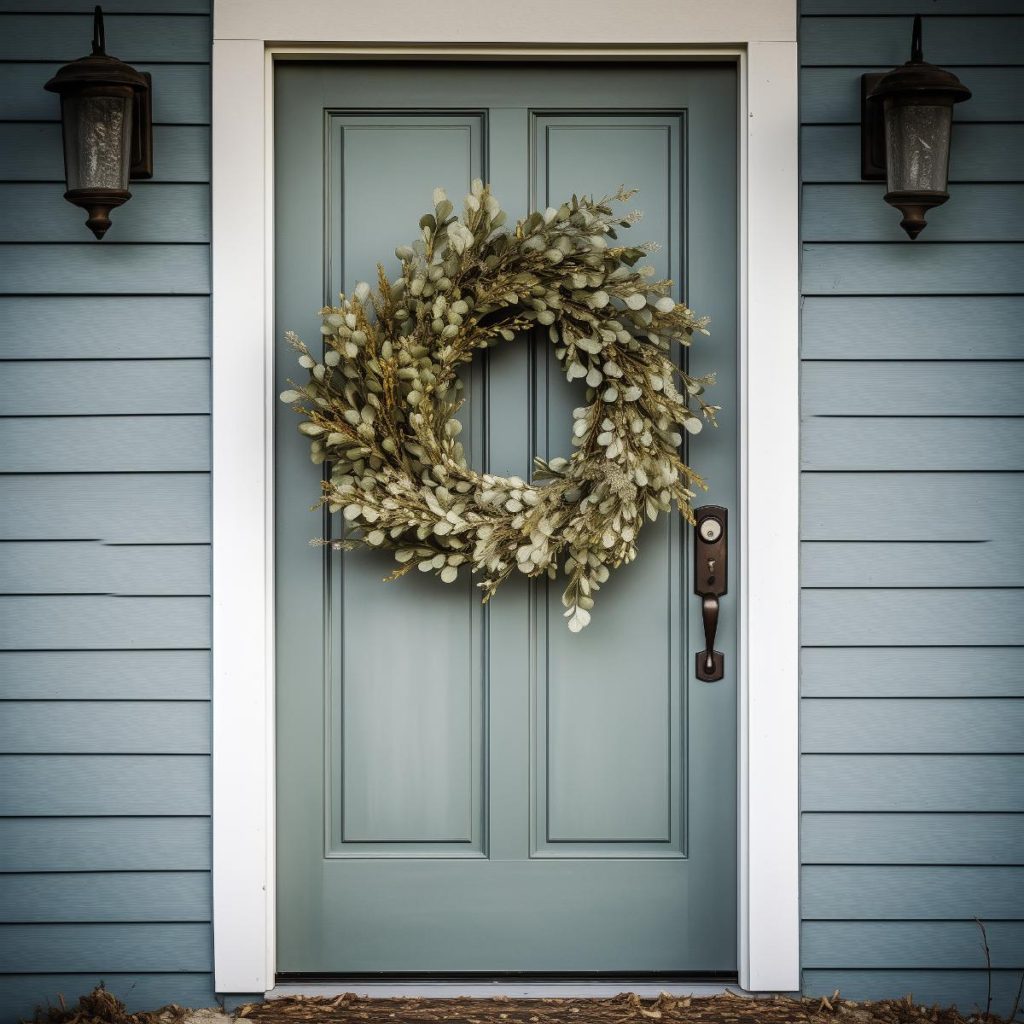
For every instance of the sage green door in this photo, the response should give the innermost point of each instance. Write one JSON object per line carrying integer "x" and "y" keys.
{"x": 463, "y": 789}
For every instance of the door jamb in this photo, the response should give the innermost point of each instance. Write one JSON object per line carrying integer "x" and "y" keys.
{"x": 249, "y": 35}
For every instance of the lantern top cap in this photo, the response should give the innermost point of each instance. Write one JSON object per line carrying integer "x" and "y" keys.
{"x": 98, "y": 68}
{"x": 919, "y": 77}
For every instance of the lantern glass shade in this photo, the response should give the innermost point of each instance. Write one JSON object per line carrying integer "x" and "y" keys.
{"x": 917, "y": 146}
{"x": 97, "y": 140}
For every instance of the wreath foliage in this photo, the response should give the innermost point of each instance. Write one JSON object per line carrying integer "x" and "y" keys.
{"x": 380, "y": 405}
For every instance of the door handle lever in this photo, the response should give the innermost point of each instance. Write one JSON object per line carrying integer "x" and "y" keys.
{"x": 710, "y": 579}
{"x": 709, "y": 666}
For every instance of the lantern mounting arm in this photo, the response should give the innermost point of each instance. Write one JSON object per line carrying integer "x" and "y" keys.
{"x": 872, "y": 129}
{"x": 99, "y": 35}
{"x": 916, "y": 48}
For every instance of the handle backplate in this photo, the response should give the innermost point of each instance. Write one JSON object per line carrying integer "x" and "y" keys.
{"x": 710, "y": 582}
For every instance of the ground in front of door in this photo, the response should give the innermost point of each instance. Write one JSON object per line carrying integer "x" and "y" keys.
{"x": 102, "y": 1008}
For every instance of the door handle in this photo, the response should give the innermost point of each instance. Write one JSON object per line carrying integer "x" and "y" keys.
{"x": 710, "y": 579}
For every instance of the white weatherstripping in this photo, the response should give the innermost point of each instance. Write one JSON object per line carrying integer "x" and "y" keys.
{"x": 249, "y": 35}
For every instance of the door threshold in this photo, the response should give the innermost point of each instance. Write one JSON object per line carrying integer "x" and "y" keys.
{"x": 646, "y": 986}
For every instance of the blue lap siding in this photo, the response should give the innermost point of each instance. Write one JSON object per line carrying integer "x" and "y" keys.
{"x": 105, "y": 531}
{"x": 912, "y": 718}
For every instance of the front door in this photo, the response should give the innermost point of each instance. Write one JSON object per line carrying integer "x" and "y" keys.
{"x": 470, "y": 789}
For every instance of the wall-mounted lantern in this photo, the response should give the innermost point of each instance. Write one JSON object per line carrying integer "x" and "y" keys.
{"x": 906, "y": 123}
{"x": 107, "y": 119}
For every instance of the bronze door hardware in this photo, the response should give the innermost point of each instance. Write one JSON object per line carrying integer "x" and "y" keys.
{"x": 710, "y": 582}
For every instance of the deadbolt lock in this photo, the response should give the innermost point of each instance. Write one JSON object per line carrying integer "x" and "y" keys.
{"x": 710, "y": 530}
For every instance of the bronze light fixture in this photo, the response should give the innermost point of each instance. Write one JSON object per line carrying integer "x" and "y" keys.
{"x": 906, "y": 123}
{"x": 107, "y": 120}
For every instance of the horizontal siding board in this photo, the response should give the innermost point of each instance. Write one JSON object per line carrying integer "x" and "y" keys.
{"x": 181, "y": 93}
{"x": 115, "y": 727}
{"x": 857, "y": 213}
{"x": 176, "y": 38}
{"x": 113, "y": 444}
{"x": 98, "y": 622}
{"x": 912, "y": 782}
{"x": 884, "y": 7}
{"x": 966, "y": 989}
{"x": 978, "y": 152}
{"x": 21, "y": 995}
{"x": 912, "y": 839}
{"x": 105, "y": 388}
{"x": 879, "y": 388}
{"x": 912, "y": 725}
{"x": 81, "y": 267}
{"x": 44, "y": 948}
{"x": 105, "y": 675}
{"x": 90, "y": 567}
{"x": 105, "y": 327}
{"x": 912, "y": 327}
{"x": 90, "y": 785}
{"x": 912, "y": 672}
{"x": 105, "y": 844}
{"x": 144, "y": 508}
{"x": 913, "y": 564}
{"x": 119, "y": 6}
{"x": 34, "y": 152}
{"x": 931, "y": 944}
{"x": 913, "y": 618}
{"x": 832, "y": 95}
{"x": 850, "y": 443}
{"x": 950, "y": 40}
{"x": 918, "y": 506}
{"x": 107, "y": 896}
{"x": 913, "y": 268}
{"x": 36, "y": 212}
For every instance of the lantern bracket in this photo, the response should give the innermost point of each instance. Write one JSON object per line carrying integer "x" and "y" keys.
{"x": 142, "y": 135}
{"x": 872, "y": 130}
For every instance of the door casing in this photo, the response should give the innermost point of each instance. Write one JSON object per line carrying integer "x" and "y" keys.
{"x": 249, "y": 35}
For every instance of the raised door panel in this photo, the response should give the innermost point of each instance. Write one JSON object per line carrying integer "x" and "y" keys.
{"x": 404, "y": 661}
{"x": 610, "y": 750}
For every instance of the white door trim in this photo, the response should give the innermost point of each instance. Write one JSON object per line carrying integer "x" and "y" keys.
{"x": 248, "y": 36}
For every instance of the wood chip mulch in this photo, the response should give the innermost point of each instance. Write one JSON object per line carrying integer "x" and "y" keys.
{"x": 627, "y": 1008}
{"x": 101, "y": 1007}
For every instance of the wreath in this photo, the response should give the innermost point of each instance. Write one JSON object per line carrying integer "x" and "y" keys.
{"x": 380, "y": 405}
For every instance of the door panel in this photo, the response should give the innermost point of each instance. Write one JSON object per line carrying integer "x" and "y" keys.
{"x": 406, "y": 718}
{"x": 611, "y": 759}
{"x": 476, "y": 789}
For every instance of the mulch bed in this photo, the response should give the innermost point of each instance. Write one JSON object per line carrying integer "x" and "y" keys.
{"x": 627, "y": 1008}
{"x": 101, "y": 1007}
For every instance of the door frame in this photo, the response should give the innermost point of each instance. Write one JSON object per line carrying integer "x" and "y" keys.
{"x": 249, "y": 36}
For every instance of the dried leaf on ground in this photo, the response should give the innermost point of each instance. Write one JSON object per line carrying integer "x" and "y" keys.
{"x": 102, "y": 1007}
